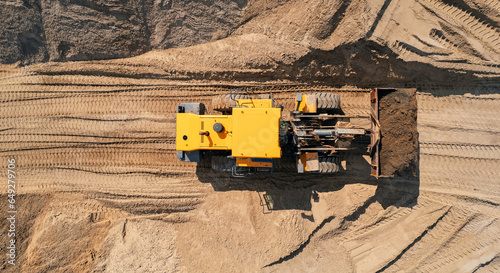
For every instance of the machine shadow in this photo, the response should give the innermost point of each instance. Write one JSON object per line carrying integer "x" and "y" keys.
{"x": 400, "y": 191}
{"x": 285, "y": 189}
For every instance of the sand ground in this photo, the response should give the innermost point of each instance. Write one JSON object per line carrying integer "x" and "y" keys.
{"x": 99, "y": 187}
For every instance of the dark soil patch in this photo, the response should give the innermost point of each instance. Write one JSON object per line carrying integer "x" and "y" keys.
{"x": 398, "y": 121}
{"x": 27, "y": 213}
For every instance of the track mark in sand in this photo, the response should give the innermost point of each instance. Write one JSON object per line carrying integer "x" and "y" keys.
{"x": 465, "y": 150}
{"x": 461, "y": 172}
{"x": 442, "y": 39}
{"x": 436, "y": 240}
{"x": 473, "y": 25}
{"x": 27, "y": 146}
{"x": 473, "y": 189}
{"x": 349, "y": 218}
{"x": 415, "y": 229}
{"x": 112, "y": 182}
{"x": 456, "y": 114}
{"x": 493, "y": 4}
{"x": 95, "y": 209}
{"x": 109, "y": 161}
{"x": 337, "y": 18}
{"x": 179, "y": 192}
{"x": 158, "y": 198}
{"x": 470, "y": 245}
{"x": 492, "y": 266}
{"x": 405, "y": 48}
{"x": 61, "y": 100}
{"x": 436, "y": 90}
{"x": 303, "y": 245}
{"x": 429, "y": 102}
{"x": 152, "y": 206}
{"x": 90, "y": 105}
{"x": 385, "y": 220}
{"x": 486, "y": 264}
{"x": 157, "y": 173}
{"x": 429, "y": 228}
{"x": 465, "y": 202}
{"x": 456, "y": 43}
{"x": 460, "y": 169}
{"x": 467, "y": 165}
{"x": 380, "y": 13}
{"x": 453, "y": 121}
{"x": 124, "y": 229}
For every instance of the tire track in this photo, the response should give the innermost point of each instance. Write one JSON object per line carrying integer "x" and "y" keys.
{"x": 99, "y": 158}
{"x": 459, "y": 113}
{"x": 417, "y": 240}
{"x": 474, "y": 175}
{"x": 466, "y": 202}
{"x": 459, "y": 165}
{"x": 388, "y": 218}
{"x": 478, "y": 62}
{"x": 15, "y": 142}
{"x": 101, "y": 205}
{"x": 169, "y": 97}
{"x": 117, "y": 140}
{"x": 387, "y": 250}
{"x": 463, "y": 150}
{"x": 94, "y": 209}
{"x": 491, "y": 4}
{"x": 476, "y": 88}
{"x": 434, "y": 240}
{"x": 484, "y": 32}
{"x": 93, "y": 183}
{"x": 82, "y": 106}
{"x": 481, "y": 188}
{"x": 463, "y": 251}
{"x": 428, "y": 102}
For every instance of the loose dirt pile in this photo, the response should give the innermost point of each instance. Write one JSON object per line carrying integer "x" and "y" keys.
{"x": 35, "y": 31}
{"x": 99, "y": 184}
{"x": 398, "y": 119}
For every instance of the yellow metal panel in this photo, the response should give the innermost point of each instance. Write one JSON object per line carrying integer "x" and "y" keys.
{"x": 310, "y": 161}
{"x": 256, "y": 132}
{"x": 187, "y": 129}
{"x": 256, "y": 103}
{"x": 308, "y": 104}
{"x": 216, "y": 141}
{"x": 189, "y": 126}
{"x": 247, "y": 162}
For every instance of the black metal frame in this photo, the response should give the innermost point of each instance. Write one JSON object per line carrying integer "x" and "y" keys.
{"x": 248, "y": 92}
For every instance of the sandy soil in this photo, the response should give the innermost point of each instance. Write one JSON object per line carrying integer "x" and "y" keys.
{"x": 100, "y": 187}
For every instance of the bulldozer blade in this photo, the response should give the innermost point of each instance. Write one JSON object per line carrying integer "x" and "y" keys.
{"x": 374, "y": 147}
{"x": 394, "y": 138}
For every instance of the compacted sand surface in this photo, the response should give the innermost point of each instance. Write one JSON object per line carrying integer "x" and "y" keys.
{"x": 99, "y": 187}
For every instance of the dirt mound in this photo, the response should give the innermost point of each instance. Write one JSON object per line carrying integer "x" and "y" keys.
{"x": 37, "y": 30}
{"x": 22, "y": 35}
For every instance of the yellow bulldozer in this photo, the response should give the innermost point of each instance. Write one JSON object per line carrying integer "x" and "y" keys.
{"x": 249, "y": 134}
